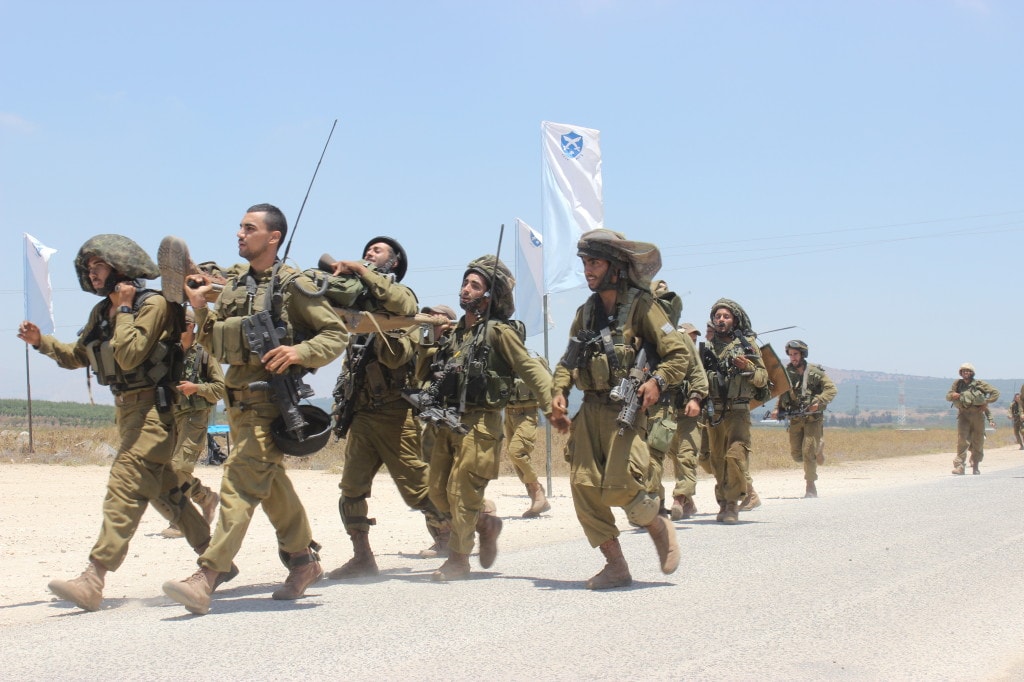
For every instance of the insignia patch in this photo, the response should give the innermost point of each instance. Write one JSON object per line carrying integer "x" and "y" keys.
{"x": 667, "y": 328}
{"x": 572, "y": 145}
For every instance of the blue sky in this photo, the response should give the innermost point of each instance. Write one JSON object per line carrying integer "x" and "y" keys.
{"x": 852, "y": 168}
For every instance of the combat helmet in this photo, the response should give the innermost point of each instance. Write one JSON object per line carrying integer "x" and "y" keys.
{"x": 640, "y": 260}
{"x": 797, "y": 344}
{"x": 403, "y": 260}
{"x": 502, "y": 305}
{"x": 122, "y": 254}
{"x": 318, "y": 428}
{"x": 743, "y": 325}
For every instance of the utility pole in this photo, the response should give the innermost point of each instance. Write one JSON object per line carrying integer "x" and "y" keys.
{"x": 901, "y": 408}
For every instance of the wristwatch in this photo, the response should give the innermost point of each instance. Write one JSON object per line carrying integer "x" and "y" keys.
{"x": 660, "y": 380}
{"x": 124, "y": 309}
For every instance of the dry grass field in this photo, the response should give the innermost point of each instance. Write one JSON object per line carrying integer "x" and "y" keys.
{"x": 80, "y": 446}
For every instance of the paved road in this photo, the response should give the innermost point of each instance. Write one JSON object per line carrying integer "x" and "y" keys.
{"x": 921, "y": 581}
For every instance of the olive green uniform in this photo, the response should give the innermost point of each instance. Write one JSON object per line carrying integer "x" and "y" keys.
{"x": 806, "y": 429}
{"x": 972, "y": 406}
{"x": 461, "y": 465}
{"x": 673, "y": 435}
{"x": 1015, "y": 417}
{"x": 141, "y": 473}
{"x": 192, "y": 417}
{"x": 383, "y": 430}
{"x": 254, "y": 473}
{"x": 729, "y": 438}
{"x": 609, "y": 469}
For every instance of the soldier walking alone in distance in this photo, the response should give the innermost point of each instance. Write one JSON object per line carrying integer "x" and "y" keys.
{"x": 971, "y": 397}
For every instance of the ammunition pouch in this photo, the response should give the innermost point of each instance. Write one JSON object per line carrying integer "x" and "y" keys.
{"x": 164, "y": 364}
{"x": 661, "y": 434}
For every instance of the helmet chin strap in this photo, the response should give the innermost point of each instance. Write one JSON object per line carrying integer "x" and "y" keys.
{"x": 475, "y": 305}
{"x": 606, "y": 283}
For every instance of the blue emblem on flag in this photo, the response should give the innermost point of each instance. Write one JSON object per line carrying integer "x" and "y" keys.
{"x": 572, "y": 145}
{"x": 534, "y": 238}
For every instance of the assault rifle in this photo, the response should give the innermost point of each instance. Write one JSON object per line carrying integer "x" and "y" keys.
{"x": 288, "y": 388}
{"x": 576, "y": 352}
{"x": 713, "y": 366}
{"x": 427, "y": 410}
{"x": 626, "y": 391}
{"x": 349, "y": 383}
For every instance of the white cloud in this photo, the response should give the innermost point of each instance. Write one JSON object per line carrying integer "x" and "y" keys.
{"x": 16, "y": 123}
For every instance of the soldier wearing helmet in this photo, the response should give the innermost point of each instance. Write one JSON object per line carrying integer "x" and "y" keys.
{"x": 371, "y": 414}
{"x": 804, "y": 406}
{"x": 971, "y": 396}
{"x": 609, "y": 464}
{"x": 471, "y": 371}
{"x": 130, "y": 343}
{"x": 739, "y": 375}
{"x": 255, "y": 475}
{"x": 200, "y": 389}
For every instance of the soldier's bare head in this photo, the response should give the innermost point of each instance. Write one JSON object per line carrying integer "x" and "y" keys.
{"x": 261, "y": 232}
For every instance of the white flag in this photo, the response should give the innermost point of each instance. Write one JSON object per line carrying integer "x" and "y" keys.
{"x": 529, "y": 289}
{"x": 572, "y": 200}
{"x": 38, "y": 292}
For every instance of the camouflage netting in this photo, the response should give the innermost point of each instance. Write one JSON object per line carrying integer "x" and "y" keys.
{"x": 121, "y": 253}
{"x": 742, "y": 320}
{"x": 501, "y": 290}
{"x": 642, "y": 259}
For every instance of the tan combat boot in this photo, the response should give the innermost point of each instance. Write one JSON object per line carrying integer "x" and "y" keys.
{"x": 455, "y": 567}
{"x": 663, "y": 533}
{"x": 615, "y": 572}
{"x": 812, "y": 491}
{"x": 172, "y": 532}
{"x": 440, "y": 547}
{"x": 721, "y": 512}
{"x": 488, "y": 526}
{"x": 194, "y": 592}
{"x": 208, "y": 505}
{"x": 731, "y": 513}
{"x": 958, "y": 469}
{"x": 689, "y": 507}
{"x": 753, "y": 500}
{"x": 678, "y": 502}
{"x": 539, "y": 503}
{"x": 85, "y": 591}
{"x": 303, "y": 570}
{"x": 362, "y": 564}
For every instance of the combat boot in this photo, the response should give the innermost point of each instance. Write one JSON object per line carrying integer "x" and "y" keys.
{"x": 663, "y": 533}
{"x": 812, "y": 491}
{"x": 440, "y": 547}
{"x": 731, "y": 513}
{"x": 539, "y": 503}
{"x": 689, "y": 507}
{"x": 194, "y": 592}
{"x": 958, "y": 469}
{"x": 172, "y": 532}
{"x": 362, "y": 564}
{"x": 209, "y": 506}
{"x": 976, "y": 470}
{"x": 721, "y": 512}
{"x": 753, "y": 500}
{"x": 615, "y": 572}
{"x": 85, "y": 591}
{"x": 303, "y": 570}
{"x": 488, "y": 526}
{"x": 678, "y": 502}
{"x": 455, "y": 567}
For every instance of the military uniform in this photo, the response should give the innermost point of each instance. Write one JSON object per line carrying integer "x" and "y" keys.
{"x": 383, "y": 432}
{"x": 132, "y": 351}
{"x": 520, "y": 431}
{"x": 254, "y": 474}
{"x": 192, "y": 419}
{"x": 1016, "y": 419}
{"x": 971, "y": 398}
{"x": 810, "y": 386}
{"x": 731, "y": 391}
{"x": 461, "y": 465}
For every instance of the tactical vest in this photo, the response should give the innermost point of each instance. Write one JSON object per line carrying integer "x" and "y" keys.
{"x": 243, "y": 296}
{"x": 469, "y": 361}
{"x": 795, "y": 397}
{"x": 604, "y": 368}
{"x": 737, "y": 387}
{"x": 162, "y": 366}
{"x": 971, "y": 395}
{"x": 195, "y": 370}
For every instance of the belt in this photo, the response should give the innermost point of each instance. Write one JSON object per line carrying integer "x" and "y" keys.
{"x": 133, "y": 397}
{"x": 598, "y": 397}
{"x": 248, "y": 395}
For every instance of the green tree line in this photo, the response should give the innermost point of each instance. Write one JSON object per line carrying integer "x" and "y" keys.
{"x": 14, "y": 413}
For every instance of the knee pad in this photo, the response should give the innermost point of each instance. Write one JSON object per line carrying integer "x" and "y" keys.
{"x": 642, "y": 509}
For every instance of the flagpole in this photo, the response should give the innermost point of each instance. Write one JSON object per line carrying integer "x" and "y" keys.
{"x": 547, "y": 422}
{"x": 28, "y": 390}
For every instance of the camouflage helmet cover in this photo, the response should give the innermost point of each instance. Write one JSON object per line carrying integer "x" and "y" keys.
{"x": 797, "y": 344}
{"x": 742, "y": 320}
{"x": 968, "y": 366}
{"x": 121, "y": 253}
{"x": 403, "y": 259}
{"x": 642, "y": 259}
{"x": 501, "y": 291}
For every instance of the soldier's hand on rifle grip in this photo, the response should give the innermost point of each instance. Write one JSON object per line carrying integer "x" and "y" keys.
{"x": 278, "y": 360}
{"x": 743, "y": 364}
{"x": 649, "y": 393}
